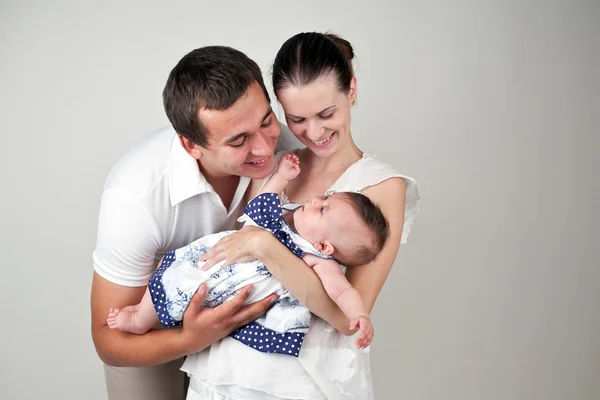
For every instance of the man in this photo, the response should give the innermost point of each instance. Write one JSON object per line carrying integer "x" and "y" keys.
{"x": 177, "y": 185}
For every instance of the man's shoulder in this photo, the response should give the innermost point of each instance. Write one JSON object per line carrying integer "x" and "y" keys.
{"x": 143, "y": 165}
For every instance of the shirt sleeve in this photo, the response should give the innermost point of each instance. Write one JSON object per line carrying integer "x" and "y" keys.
{"x": 127, "y": 241}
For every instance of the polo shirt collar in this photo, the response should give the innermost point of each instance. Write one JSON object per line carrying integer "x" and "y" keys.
{"x": 186, "y": 179}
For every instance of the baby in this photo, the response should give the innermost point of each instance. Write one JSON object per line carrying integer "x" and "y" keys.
{"x": 345, "y": 226}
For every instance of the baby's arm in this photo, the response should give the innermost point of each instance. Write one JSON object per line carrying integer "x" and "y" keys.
{"x": 137, "y": 319}
{"x": 344, "y": 295}
{"x": 287, "y": 169}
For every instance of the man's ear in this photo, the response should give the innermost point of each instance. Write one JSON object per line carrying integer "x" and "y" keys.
{"x": 191, "y": 148}
{"x": 324, "y": 247}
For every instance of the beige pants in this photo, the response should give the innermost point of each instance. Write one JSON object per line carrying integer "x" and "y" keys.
{"x": 163, "y": 382}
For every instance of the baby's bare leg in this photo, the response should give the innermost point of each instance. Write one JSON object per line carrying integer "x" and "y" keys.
{"x": 137, "y": 319}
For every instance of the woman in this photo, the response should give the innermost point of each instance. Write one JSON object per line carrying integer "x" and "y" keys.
{"x": 314, "y": 81}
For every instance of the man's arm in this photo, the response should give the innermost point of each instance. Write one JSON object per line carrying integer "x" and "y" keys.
{"x": 123, "y": 261}
{"x": 201, "y": 326}
{"x": 337, "y": 286}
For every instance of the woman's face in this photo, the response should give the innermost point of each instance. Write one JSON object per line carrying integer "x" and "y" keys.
{"x": 319, "y": 113}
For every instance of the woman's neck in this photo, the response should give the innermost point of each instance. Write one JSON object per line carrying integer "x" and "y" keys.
{"x": 339, "y": 161}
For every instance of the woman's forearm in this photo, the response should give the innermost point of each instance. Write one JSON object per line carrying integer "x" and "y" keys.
{"x": 302, "y": 282}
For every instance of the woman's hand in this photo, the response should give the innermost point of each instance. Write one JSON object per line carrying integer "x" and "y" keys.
{"x": 247, "y": 244}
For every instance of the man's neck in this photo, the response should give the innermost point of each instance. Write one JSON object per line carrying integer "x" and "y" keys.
{"x": 224, "y": 185}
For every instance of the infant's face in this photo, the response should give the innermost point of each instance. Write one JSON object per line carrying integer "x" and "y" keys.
{"x": 327, "y": 218}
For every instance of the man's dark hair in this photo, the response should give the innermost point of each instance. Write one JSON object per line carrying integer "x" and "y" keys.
{"x": 211, "y": 77}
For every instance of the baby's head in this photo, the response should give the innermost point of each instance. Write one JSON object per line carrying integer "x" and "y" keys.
{"x": 346, "y": 225}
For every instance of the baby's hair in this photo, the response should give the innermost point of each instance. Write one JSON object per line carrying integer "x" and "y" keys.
{"x": 377, "y": 225}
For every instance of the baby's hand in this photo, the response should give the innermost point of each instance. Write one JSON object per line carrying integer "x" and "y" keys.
{"x": 289, "y": 166}
{"x": 366, "y": 330}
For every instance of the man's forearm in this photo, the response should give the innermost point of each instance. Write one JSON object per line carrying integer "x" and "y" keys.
{"x": 303, "y": 283}
{"x": 156, "y": 347}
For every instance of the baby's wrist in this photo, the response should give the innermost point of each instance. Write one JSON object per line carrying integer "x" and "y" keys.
{"x": 281, "y": 176}
{"x": 362, "y": 315}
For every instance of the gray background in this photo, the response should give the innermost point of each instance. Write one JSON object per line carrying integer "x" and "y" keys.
{"x": 492, "y": 106}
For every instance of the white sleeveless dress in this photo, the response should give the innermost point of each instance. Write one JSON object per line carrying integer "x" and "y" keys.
{"x": 329, "y": 365}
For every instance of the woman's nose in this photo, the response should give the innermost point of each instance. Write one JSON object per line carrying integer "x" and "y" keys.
{"x": 314, "y": 131}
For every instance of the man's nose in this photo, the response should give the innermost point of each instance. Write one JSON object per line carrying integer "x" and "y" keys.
{"x": 262, "y": 145}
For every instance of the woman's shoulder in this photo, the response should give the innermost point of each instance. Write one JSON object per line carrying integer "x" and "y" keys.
{"x": 366, "y": 172}
{"x": 369, "y": 172}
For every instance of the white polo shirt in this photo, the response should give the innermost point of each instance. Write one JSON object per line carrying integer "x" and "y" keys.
{"x": 156, "y": 200}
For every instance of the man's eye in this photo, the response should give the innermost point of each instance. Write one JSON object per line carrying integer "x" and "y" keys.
{"x": 240, "y": 143}
{"x": 269, "y": 122}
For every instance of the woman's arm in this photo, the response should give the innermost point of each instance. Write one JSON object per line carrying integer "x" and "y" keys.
{"x": 301, "y": 281}
{"x": 390, "y": 196}
{"x": 291, "y": 271}
{"x": 337, "y": 286}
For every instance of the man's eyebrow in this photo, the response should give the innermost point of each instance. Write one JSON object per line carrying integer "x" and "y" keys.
{"x": 236, "y": 137}
{"x": 242, "y": 134}
{"x": 320, "y": 112}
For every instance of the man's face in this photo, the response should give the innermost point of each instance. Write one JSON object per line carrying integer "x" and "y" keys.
{"x": 241, "y": 139}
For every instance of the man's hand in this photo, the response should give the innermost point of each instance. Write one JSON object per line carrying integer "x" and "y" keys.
{"x": 201, "y": 326}
{"x": 216, "y": 323}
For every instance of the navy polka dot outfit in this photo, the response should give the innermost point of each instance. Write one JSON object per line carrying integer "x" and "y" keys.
{"x": 265, "y": 210}
{"x": 157, "y": 292}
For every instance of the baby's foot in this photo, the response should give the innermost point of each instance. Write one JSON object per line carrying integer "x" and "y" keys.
{"x": 125, "y": 320}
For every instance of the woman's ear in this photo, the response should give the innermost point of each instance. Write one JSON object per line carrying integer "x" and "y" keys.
{"x": 191, "y": 148}
{"x": 353, "y": 90}
{"x": 324, "y": 247}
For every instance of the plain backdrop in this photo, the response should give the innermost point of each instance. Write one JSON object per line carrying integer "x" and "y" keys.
{"x": 493, "y": 106}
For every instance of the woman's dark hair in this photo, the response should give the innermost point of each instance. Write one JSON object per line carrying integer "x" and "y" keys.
{"x": 310, "y": 55}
